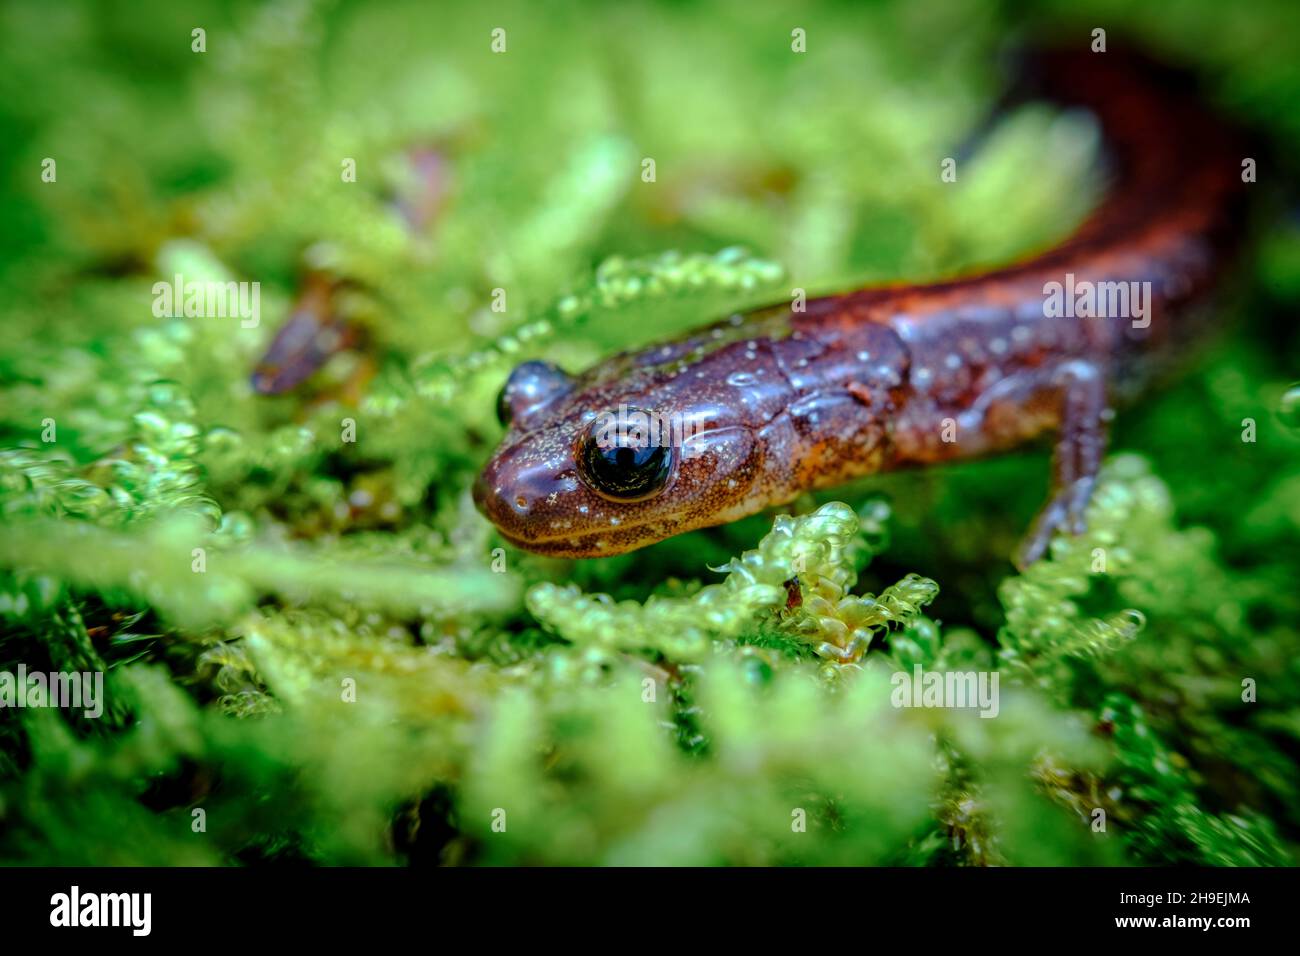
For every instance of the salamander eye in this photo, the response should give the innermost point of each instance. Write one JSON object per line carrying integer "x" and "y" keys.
{"x": 503, "y": 406}
{"x": 623, "y": 463}
{"x": 529, "y": 388}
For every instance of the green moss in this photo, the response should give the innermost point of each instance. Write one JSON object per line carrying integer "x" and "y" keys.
{"x": 318, "y": 643}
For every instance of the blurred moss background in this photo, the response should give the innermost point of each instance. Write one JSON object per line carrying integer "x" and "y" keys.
{"x": 360, "y": 676}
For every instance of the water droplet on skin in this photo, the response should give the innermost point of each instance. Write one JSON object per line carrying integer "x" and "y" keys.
{"x": 741, "y": 379}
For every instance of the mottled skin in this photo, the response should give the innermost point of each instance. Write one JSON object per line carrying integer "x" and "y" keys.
{"x": 904, "y": 375}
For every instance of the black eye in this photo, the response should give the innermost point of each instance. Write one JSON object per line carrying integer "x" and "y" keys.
{"x": 624, "y": 462}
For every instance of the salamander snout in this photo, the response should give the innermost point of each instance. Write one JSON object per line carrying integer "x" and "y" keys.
{"x": 596, "y": 486}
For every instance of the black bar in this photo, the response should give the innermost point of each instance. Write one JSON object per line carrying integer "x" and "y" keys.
{"x": 992, "y": 905}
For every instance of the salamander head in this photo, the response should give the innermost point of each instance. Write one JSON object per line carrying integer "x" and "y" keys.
{"x": 619, "y": 459}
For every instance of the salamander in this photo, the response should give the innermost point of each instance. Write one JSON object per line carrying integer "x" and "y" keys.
{"x": 758, "y": 408}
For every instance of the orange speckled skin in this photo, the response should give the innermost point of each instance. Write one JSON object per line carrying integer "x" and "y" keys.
{"x": 904, "y": 375}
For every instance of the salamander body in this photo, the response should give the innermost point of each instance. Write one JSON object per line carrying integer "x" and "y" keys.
{"x": 762, "y": 407}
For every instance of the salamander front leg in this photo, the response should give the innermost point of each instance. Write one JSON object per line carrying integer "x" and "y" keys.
{"x": 1080, "y": 388}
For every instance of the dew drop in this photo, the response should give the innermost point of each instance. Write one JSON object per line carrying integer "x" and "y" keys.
{"x": 1289, "y": 408}
{"x": 1131, "y": 622}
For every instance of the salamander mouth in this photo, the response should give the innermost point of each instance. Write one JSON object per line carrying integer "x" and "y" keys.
{"x": 605, "y": 542}
{"x": 555, "y": 535}
{"x": 608, "y": 540}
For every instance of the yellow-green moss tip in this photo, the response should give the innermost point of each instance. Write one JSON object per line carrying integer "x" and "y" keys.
{"x": 798, "y": 580}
